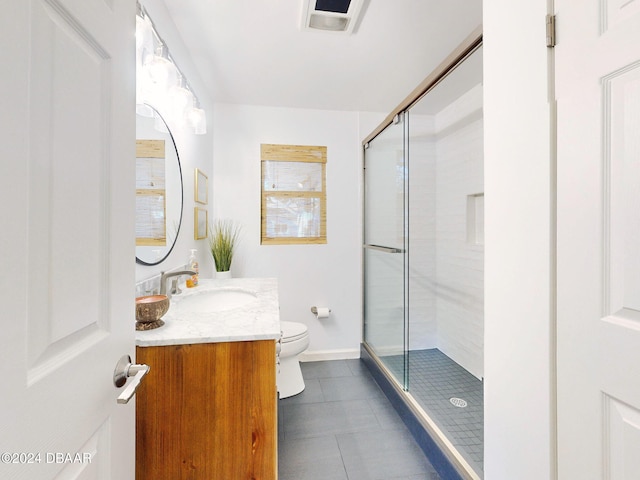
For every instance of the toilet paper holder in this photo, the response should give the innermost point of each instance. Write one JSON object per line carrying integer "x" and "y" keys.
{"x": 314, "y": 310}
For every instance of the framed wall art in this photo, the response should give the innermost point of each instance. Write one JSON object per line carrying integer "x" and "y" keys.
{"x": 201, "y": 189}
{"x": 200, "y": 222}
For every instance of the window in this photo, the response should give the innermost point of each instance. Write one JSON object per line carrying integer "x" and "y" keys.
{"x": 294, "y": 200}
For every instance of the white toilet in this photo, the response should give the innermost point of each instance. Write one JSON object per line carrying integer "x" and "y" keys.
{"x": 295, "y": 340}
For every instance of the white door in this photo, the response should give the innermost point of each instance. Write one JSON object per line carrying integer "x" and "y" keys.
{"x": 598, "y": 105}
{"x": 67, "y": 250}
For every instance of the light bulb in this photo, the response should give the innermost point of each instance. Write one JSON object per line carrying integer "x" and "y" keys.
{"x": 162, "y": 72}
{"x": 198, "y": 120}
{"x": 180, "y": 101}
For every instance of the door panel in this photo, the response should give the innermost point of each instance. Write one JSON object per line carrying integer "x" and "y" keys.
{"x": 598, "y": 108}
{"x": 69, "y": 114}
{"x": 385, "y": 247}
{"x": 617, "y": 12}
{"x": 621, "y": 430}
{"x": 67, "y": 186}
{"x": 622, "y": 190}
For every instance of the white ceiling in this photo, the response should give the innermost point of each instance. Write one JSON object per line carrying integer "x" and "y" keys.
{"x": 254, "y": 51}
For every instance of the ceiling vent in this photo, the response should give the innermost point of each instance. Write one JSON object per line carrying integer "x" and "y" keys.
{"x": 331, "y": 15}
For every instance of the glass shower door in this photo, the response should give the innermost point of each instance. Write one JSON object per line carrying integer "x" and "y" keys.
{"x": 385, "y": 289}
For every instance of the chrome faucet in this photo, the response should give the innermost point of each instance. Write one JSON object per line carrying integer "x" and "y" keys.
{"x": 165, "y": 276}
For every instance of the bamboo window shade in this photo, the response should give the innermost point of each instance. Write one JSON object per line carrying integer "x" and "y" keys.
{"x": 151, "y": 198}
{"x": 294, "y": 198}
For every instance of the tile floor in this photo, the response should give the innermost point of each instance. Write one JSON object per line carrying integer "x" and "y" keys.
{"x": 433, "y": 380}
{"x": 342, "y": 427}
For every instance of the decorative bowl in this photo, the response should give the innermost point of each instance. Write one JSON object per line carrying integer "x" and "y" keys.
{"x": 149, "y": 311}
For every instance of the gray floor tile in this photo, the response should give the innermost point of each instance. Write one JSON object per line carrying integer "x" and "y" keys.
{"x": 307, "y": 450}
{"x": 312, "y": 393}
{"x": 382, "y": 455}
{"x": 316, "y": 470}
{"x": 335, "y": 368}
{"x": 316, "y": 419}
{"x": 426, "y": 476}
{"x": 343, "y": 428}
{"x": 387, "y": 416}
{"x": 349, "y": 388}
{"x": 357, "y": 367}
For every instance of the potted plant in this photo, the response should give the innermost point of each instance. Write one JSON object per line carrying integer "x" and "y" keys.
{"x": 223, "y": 236}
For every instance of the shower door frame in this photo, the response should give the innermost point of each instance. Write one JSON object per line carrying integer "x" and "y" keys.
{"x": 430, "y": 437}
{"x": 402, "y": 120}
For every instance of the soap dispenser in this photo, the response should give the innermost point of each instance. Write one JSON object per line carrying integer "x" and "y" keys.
{"x": 192, "y": 264}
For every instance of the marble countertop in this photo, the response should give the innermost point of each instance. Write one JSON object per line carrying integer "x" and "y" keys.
{"x": 259, "y": 319}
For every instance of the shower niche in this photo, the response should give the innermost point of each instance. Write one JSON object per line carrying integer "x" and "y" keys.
{"x": 423, "y": 262}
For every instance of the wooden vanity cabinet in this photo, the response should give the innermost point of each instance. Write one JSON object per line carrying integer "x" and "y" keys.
{"x": 207, "y": 412}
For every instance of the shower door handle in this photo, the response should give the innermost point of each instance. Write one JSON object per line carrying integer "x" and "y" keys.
{"x": 380, "y": 248}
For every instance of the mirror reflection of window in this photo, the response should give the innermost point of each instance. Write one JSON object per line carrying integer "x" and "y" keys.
{"x": 151, "y": 224}
{"x": 159, "y": 187}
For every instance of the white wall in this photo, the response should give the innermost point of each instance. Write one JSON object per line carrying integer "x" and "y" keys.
{"x": 518, "y": 254}
{"x": 321, "y": 275}
{"x": 195, "y": 151}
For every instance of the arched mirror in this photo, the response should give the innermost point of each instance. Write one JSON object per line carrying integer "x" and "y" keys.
{"x": 159, "y": 189}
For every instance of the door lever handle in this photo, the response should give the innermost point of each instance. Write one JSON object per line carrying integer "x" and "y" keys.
{"x": 125, "y": 369}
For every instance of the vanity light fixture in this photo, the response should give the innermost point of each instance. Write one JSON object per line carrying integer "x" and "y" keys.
{"x": 161, "y": 70}
{"x": 181, "y": 102}
{"x": 156, "y": 77}
{"x": 198, "y": 118}
{"x": 161, "y": 84}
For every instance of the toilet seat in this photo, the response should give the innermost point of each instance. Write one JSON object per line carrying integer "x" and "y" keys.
{"x": 292, "y": 331}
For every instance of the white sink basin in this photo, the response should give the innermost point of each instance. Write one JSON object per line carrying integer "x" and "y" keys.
{"x": 217, "y": 300}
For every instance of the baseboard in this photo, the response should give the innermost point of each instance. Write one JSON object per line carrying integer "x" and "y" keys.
{"x": 321, "y": 355}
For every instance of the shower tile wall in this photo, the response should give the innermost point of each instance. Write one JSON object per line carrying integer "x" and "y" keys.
{"x": 422, "y": 234}
{"x": 460, "y": 262}
{"x": 446, "y": 268}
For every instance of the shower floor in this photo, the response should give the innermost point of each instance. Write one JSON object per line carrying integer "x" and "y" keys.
{"x": 433, "y": 380}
